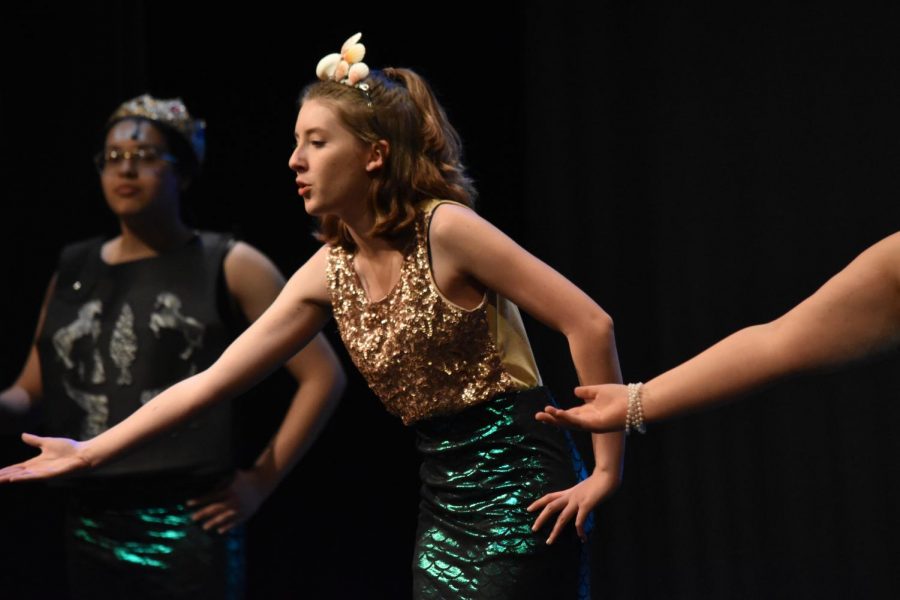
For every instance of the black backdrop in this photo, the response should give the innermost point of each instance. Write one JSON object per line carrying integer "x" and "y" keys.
{"x": 694, "y": 169}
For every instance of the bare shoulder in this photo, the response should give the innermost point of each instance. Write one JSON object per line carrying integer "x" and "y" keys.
{"x": 255, "y": 281}
{"x": 244, "y": 263}
{"x": 252, "y": 279}
{"x": 310, "y": 282}
{"x": 452, "y": 216}
{"x": 318, "y": 262}
{"x": 887, "y": 250}
{"x": 459, "y": 228}
{"x": 881, "y": 259}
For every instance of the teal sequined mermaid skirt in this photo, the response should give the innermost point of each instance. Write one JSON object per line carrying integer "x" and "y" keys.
{"x": 139, "y": 543}
{"x": 481, "y": 469}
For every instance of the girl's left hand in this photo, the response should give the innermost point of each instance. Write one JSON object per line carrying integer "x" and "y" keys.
{"x": 227, "y": 508}
{"x": 578, "y": 501}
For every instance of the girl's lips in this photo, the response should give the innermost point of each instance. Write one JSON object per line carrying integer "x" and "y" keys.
{"x": 126, "y": 190}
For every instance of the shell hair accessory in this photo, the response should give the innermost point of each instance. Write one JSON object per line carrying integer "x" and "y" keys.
{"x": 346, "y": 66}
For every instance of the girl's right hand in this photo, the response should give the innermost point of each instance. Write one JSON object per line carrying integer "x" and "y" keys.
{"x": 59, "y": 456}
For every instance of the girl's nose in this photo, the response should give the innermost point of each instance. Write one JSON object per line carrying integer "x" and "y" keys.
{"x": 297, "y": 161}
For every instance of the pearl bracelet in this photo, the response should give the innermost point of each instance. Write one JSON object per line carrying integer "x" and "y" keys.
{"x": 634, "y": 415}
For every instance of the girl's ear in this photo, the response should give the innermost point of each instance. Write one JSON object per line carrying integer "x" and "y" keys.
{"x": 377, "y": 155}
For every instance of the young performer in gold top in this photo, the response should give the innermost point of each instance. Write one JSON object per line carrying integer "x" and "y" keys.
{"x": 424, "y": 293}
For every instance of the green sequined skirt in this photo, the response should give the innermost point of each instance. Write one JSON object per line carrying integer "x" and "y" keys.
{"x": 123, "y": 546}
{"x": 481, "y": 469}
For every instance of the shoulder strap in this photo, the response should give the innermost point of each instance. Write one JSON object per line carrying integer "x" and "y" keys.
{"x": 216, "y": 247}
{"x": 79, "y": 265}
{"x": 428, "y": 206}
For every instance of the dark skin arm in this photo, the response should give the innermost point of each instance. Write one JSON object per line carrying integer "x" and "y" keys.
{"x": 19, "y": 398}
{"x": 255, "y": 283}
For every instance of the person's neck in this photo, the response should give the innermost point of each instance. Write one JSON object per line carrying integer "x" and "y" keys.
{"x": 368, "y": 245}
{"x": 143, "y": 239}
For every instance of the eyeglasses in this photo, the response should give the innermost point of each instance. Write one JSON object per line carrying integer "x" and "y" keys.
{"x": 144, "y": 156}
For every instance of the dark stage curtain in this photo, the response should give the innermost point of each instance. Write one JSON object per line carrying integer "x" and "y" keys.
{"x": 694, "y": 169}
{"x": 696, "y": 172}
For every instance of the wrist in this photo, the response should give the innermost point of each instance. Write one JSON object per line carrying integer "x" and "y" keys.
{"x": 606, "y": 477}
{"x": 265, "y": 478}
{"x": 651, "y": 412}
{"x": 605, "y": 472}
{"x": 89, "y": 454}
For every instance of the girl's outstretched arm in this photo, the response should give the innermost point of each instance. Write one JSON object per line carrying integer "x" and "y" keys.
{"x": 297, "y": 315}
{"x": 856, "y": 313}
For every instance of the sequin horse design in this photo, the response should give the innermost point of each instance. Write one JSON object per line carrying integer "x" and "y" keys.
{"x": 95, "y": 406}
{"x": 167, "y": 315}
{"x": 87, "y": 323}
{"x": 86, "y": 366}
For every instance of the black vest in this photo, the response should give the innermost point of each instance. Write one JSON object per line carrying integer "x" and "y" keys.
{"x": 117, "y": 335}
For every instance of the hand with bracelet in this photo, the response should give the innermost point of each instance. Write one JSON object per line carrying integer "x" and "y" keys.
{"x": 607, "y": 407}
{"x": 855, "y": 314}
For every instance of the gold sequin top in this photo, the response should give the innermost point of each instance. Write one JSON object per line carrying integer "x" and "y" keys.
{"x": 421, "y": 354}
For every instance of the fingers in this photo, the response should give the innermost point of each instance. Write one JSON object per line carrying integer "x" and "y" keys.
{"x": 544, "y": 418}
{"x": 219, "y": 515}
{"x": 548, "y": 415}
{"x": 8, "y": 474}
{"x": 33, "y": 440}
{"x": 27, "y": 475}
{"x": 573, "y": 418}
{"x": 570, "y": 419}
{"x": 219, "y": 496}
{"x": 551, "y": 509}
{"x": 543, "y": 501}
{"x": 208, "y": 512}
{"x": 580, "y": 519}
{"x": 586, "y": 392}
{"x": 564, "y": 517}
{"x": 568, "y": 506}
{"x": 225, "y": 517}
{"x": 22, "y": 472}
{"x": 222, "y": 522}
{"x": 30, "y": 469}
